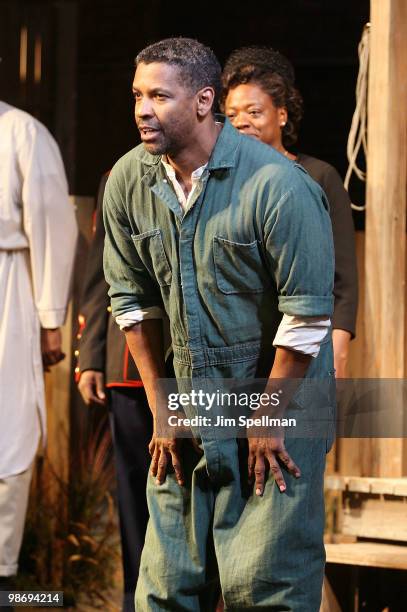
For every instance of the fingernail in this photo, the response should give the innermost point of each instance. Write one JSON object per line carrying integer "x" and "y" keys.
{"x": 282, "y": 488}
{"x": 258, "y": 491}
{"x": 297, "y": 474}
{"x": 157, "y": 482}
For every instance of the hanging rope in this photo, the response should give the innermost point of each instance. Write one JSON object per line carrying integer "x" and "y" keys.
{"x": 358, "y": 131}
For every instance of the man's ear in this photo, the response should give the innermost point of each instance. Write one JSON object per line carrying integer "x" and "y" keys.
{"x": 205, "y": 100}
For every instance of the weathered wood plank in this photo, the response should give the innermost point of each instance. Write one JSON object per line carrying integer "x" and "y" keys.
{"x": 368, "y": 554}
{"x": 374, "y": 516}
{"x": 389, "y": 486}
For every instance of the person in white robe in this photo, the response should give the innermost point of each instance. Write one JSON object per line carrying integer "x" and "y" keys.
{"x": 38, "y": 235}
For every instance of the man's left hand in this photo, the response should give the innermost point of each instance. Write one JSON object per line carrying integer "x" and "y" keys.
{"x": 165, "y": 451}
{"x": 273, "y": 452}
{"x": 51, "y": 347}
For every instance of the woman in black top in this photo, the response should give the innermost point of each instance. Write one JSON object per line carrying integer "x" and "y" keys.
{"x": 260, "y": 100}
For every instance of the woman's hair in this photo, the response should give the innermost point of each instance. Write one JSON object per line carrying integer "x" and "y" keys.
{"x": 274, "y": 73}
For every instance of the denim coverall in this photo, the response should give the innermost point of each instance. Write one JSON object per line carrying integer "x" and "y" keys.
{"x": 255, "y": 244}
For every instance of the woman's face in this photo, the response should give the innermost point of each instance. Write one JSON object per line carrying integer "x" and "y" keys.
{"x": 251, "y": 110}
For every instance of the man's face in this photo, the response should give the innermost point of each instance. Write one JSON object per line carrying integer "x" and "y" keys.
{"x": 165, "y": 110}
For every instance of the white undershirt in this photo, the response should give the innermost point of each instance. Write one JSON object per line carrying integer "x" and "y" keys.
{"x": 302, "y": 334}
{"x": 185, "y": 201}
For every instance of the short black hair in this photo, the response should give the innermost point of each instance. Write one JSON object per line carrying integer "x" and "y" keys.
{"x": 198, "y": 65}
{"x": 274, "y": 73}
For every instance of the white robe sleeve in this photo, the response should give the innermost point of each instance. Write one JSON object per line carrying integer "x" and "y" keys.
{"x": 49, "y": 223}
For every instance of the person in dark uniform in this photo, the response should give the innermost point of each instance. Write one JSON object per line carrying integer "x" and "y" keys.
{"x": 260, "y": 99}
{"x": 108, "y": 377}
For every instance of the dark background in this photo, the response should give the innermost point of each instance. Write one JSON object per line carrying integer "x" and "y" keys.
{"x": 88, "y": 48}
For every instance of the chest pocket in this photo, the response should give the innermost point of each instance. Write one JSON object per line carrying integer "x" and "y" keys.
{"x": 150, "y": 249}
{"x": 239, "y": 267}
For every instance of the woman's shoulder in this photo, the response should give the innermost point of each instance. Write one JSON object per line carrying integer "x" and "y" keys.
{"x": 321, "y": 171}
{"x": 313, "y": 165}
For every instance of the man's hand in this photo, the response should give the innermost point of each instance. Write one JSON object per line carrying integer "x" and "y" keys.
{"x": 92, "y": 387}
{"x": 289, "y": 366}
{"x": 270, "y": 450}
{"x": 51, "y": 343}
{"x": 163, "y": 451}
{"x": 145, "y": 341}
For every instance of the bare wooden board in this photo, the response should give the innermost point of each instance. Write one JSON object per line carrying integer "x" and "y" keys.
{"x": 388, "y": 486}
{"x": 375, "y": 516}
{"x": 368, "y": 554}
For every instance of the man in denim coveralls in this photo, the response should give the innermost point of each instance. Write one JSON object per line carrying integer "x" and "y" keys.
{"x": 233, "y": 243}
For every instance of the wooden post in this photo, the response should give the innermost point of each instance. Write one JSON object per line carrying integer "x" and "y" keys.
{"x": 385, "y": 255}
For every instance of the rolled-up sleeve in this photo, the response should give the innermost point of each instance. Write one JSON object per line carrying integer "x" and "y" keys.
{"x": 131, "y": 287}
{"x": 299, "y": 248}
